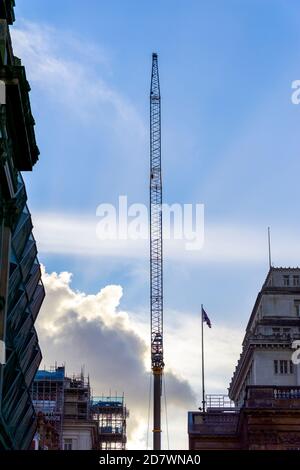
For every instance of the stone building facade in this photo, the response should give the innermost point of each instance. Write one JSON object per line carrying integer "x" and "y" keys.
{"x": 265, "y": 387}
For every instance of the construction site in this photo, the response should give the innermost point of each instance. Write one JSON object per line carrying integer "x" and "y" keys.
{"x": 70, "y": 418}
{"x": 110, "y": 414}
{"x": 130, "y": 302}
{"x": 47, "y": 392}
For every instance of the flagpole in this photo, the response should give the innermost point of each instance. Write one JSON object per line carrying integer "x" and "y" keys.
{"x": 202, "y": 335}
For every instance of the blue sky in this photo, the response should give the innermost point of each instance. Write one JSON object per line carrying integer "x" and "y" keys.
{"x": 230, "y": 138}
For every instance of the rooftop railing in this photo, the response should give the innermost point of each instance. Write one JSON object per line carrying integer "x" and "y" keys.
{"x": 218, "y": 401}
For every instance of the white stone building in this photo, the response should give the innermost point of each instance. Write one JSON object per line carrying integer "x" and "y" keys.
{"x": 266, "y": 358}
{"x": 79, "y": 435}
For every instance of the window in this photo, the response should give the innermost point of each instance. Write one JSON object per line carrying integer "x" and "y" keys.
{"x": 297, "y": 307}
{"x": 283, "y": 367}
{"x": 286, "y": 280}
{"x": 286, "y": 331}
{"x": 296, "y": 280}
{"x": 67, "y": 444}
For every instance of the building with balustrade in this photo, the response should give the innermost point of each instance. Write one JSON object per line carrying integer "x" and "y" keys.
{"x": 263, "y": 408}
{"x": 21, "y": 289}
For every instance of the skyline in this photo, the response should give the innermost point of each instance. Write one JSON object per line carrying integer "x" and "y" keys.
{"x": 229, "y": 141}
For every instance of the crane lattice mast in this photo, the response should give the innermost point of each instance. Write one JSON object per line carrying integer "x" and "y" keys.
{"x": 156, "y": 254}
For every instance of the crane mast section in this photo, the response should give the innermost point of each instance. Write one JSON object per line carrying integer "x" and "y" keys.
{"x": 156, "y": 246}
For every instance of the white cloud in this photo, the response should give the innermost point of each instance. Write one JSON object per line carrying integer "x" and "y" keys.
{"x": 78, "y": 329}
{"x": 224, "y": 243}
{"x": 67, "y": 69}
{"x": 91, "y": 329}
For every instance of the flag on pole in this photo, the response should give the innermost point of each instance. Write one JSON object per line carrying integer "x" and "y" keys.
{"x": 205, "y": 318}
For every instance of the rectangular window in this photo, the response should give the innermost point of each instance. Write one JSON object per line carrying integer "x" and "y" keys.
{"x": 67, "y": 444}
{"x": 296, "y": 280}
{"x": 286, "y": 280}
{"x": 283, "y": 367}
{"x": 286, "y": 330}
{"x": 297, "y": 307}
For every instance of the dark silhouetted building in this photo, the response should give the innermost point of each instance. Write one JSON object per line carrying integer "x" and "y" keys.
{"x": 21, "y": 289}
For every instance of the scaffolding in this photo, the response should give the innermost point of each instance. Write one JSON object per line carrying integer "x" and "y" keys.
{"x": 77, "y": 399}
{"x": 111, "y": 415}
{"x": 47, "y": 392}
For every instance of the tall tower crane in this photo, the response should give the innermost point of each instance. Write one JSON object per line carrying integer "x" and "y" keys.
{"x": 156, "y": 253}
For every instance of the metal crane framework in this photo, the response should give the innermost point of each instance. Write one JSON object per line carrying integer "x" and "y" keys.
{"x": 156, "y": 252}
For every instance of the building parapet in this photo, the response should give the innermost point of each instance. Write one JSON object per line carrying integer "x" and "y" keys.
{"x": 217, "y": 423}
{"x": 272, "y": 396}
